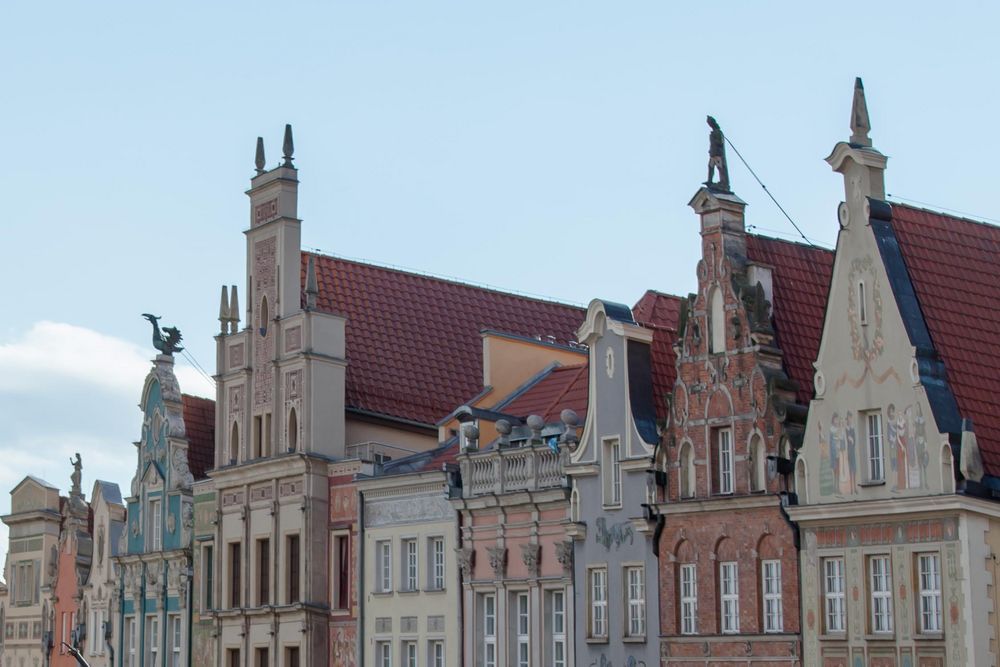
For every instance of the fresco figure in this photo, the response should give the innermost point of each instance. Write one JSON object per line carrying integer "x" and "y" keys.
{"x": 914, "y": 473}
{"x": 920, "y": 432}
{"x": 838, "y": 445}
{"x": 826, "y": 483}
{"x": 890, "y": 441}
{"x": 902, "y": 459}
{"x": 851, "y": 443}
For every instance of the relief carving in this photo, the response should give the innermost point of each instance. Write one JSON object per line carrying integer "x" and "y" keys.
{"x": 530, "y": 554}
{"x": 466, "y": 558}
{"x": 564, "y": 554}
{"x": 498, "y": 561}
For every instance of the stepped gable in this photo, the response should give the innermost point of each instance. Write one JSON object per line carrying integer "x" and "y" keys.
{"x": 801, "y": 284}
{"x": 661, "y": 313}
{"x": 414, "y": 349}
{"x": 199, "y": 423}
{"x": 953, "y": 264}
{"x": 562, "y": 387}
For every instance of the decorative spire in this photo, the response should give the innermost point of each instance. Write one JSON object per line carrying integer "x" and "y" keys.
{"x": 234, "y": 310}
{"x": 860, "y": 124}
{"x": 224, "y": 311}
{"x": 288, "y": 147}
{"x": 312, "y": 288}
{"x": 259, "y": 159}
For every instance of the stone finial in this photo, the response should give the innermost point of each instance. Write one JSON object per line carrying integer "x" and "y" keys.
{"x": 234, "y": 310}
{"x": 224, "y": 311}
{"x": 288, "y": 147}
{"x": 971, "y": 461}
{"x": 259, "y": 157}
{"x": 570, "y": 421}
{"x": 471, "y": 433}
{"x": 860, "y": 124}
{"x": 536, "y": 424}
{"x": 504, "y": 429}
{"x": 312, "y": 285}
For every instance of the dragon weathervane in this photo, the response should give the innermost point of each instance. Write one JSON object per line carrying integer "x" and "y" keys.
{"x": 166, "y": 344}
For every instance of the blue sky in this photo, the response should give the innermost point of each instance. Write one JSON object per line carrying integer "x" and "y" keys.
{"x": 547, "y": 147}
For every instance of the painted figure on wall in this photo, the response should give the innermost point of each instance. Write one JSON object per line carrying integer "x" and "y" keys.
{"x": 920, "y": 432}
{"x": 827, "y": 455}
{"x": 850, "y": 443}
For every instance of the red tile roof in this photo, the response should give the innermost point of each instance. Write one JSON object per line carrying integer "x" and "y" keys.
{"x": 199, "y": 423}
{"x": 800, "y": 276}
{"x": 413, "y": 346}
{"x": 563, "y": 387}
{"x": 953, "y": 264}
{"x": 661, "y": 313}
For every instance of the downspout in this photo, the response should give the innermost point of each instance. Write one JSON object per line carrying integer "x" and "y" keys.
{"x": 461, "y": 590}
{"x": 360, "y": 579}
{"x": 164, "y": 615}
{"x": 190, "y": 606}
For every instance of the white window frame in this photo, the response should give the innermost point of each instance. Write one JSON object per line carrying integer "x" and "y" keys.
{"x": 880, "y": 591}
{"x": 770, "y": 578}
{"x": 929, "y": 577}
{"x": 176, "y": 636}
{"x": 597, "y": 591}
{"x": 612, "y": 468}
{"x": 130, "y": 639}
{"x": 688, "y": 590}
{"x": 729, "y": 597}
{"x": 875, "y": 446}
{"x": 437, "y": 563}
{"x": 522, "y": 629}
{"x": 153, "y": 633}
{"x": 411, "y": 565}
{"x": 489, "y": 630}
{"x": 635, "y": 601}
{"x": 384, "y": 571}
{"x": 383, "y": 653}
{"x": 725, "y": 462}
{"x": 558, "y": 611}
{"x": 436, "y": 655}
{"x": 835, "y": 619}
{"x": 156, "y": 522}
{"x": 409, "y": 653}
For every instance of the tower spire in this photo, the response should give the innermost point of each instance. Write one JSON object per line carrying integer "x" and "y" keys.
{"x": 288, "y": 147}
{"x": 234, "y": 311}
{"x": 312, "y": 288}
{"x": 224, "y": 311}
{"x": 259, "y": 159}
{"x": 860, "y": 124}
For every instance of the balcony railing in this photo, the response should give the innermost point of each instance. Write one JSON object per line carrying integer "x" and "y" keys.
{"x": 507, "y": 470}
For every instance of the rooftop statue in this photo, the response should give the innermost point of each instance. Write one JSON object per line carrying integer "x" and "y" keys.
{"x": 717, "y": 158}
{"x": 169, "y": 343}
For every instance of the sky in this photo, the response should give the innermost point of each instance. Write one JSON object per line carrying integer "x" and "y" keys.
{"x": 543, "y": 147}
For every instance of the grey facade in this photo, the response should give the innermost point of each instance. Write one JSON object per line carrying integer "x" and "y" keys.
{"x": 615, "y": 567}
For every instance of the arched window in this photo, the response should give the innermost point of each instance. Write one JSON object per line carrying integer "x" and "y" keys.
{"x": 293, "y": 430}
{"x": 802, "y": 481}
{"x": 756, "y": 461}
{"x": 264, "y": 315}
{"x": 574, "y": 505}
{"x": 947, "y": 469}
{"x": 686, "y": 471}
{"x": 234, "y": 443}
{"x": 717, "y": 320}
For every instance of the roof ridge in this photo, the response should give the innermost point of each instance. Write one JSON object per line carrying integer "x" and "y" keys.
{"x": 943, "y": 214}
{"x": 451, "y": 280}
{"x": 808, "y": 246}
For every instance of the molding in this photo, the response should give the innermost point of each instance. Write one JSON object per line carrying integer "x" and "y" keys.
{"x": 874, "y": 510}
{"x": 719, "y": 504}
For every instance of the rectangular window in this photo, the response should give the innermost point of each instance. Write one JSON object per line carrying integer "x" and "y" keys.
{"x": 833, "y": 594}
{"x": 292, "y": 656}
{"x": 175, "y": 641}
{"x": 437, "y": 563}
{"x": 235, "y": 562}
{"x": 436, "y": 657}
{"x": 233, "y": 657}
{"x": 558, "y": 625}
{"x": 258, "y": 435}
{"x": 489, "y": 631}
{"x": 383, "y": 552}
{"x": 153, "y": 640}
{"x": 689, "y": 599}
{"x": 862, "y": 304}
{"x": 771, "y": 580}
{"x": 873, "y": 433}
{"x": 880, "y": 579}
{"x": 409, "y": 654}
{"x": 729, "y": 597}
{"x": 208, "y": 577}
{"x": 130, "y": 641}
{"x": 383, "y": 654}
{"x": 612, "y": 472}
{"x": 293, "y": 568}
{"x": 522, "y": 627}
{"x": 723, "y": 460}
{"x": 263, "y": 572}
{"x": 155, "y": 523}
{"x": 341, "y": 576}
{"x": 635, "y": 602}
{"x": 410, "y": 565}
{"x": 599, "y": 603}
{"x": 929, "y": 566}
{"x": 260, "y": 659}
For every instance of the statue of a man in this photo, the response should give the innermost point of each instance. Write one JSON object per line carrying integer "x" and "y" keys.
{"x": 76, "y": 476}
{"x": 717, "y": 158}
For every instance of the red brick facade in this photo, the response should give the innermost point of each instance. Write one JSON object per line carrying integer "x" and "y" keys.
{"x": 733, "y": 406}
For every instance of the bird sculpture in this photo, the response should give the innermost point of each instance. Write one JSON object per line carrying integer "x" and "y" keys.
{"x": 166, "y": 344}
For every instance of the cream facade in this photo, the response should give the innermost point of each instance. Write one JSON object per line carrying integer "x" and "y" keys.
{"x": 894, "y": 562}
{"x": 412, "y": 588}
{"x": 100, "y": 591}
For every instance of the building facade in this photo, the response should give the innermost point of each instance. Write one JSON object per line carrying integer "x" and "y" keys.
{"x": 72, "y": 569}
{"x": 100, "y": 591}
{"x": 895, "y": 477}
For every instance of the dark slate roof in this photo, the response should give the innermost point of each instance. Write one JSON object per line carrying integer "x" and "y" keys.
{"x": 110, "y": 492}
{"x": 414, "y": 349}
{"x": 661, "y": 313}
{"x": 801, "y": 284}
{"x": 434, "y": 459}
{"x": 114, "y": 535}
{"x": 199, "y": 422}
{"x": 953, "y": 264}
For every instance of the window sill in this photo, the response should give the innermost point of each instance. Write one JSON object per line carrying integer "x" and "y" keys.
{"x": 634, "y": 640}
{"x": 382, "y": 594}
{"x": 881, "y": 637}
{"x": 872, "y": 482}
{"x": 435, "y": 591}
{"x": 929, "y": 636}
{"x": 597, "y": 640}
{"x": 833, "y": 637}
{"x": 408, "y": 592}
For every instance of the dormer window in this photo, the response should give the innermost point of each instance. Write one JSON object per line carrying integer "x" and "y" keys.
{"x": 862, "y": 304}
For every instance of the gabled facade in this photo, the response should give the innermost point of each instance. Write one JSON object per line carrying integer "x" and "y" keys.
{"x": 728, "y": 555}
{"x": 154, "y": 550}
{"x": 30, "y": 570}
{"x": 100, "y": 590}
{"x": 615, "y": 605}
{"x": 72, "y": 569}
{"x": 894, "y": 479}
